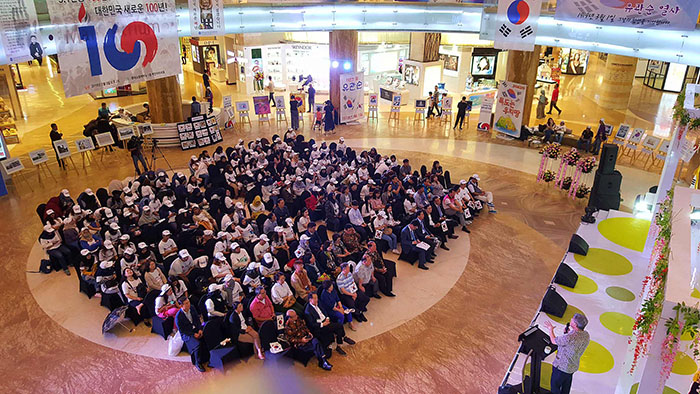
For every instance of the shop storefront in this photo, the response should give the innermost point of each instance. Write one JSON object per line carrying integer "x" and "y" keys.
{"x": 10, "y": 106}
{"x": 126, "y": 90}
{"x": 669, "y": 77}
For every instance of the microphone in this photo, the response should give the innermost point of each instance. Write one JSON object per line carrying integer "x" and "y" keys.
{"x": 566, "y": 329}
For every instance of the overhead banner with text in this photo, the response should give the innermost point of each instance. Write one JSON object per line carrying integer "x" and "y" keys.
{"x": 352, "y": 97}
{"x": 517, "y": 24}
{"x": 650, "y": 14}
{"x": 510, "y": 101}
{"x": 114, "y": 42}
{"x": 207, "y": 17}
{"x": 19, "y": 31}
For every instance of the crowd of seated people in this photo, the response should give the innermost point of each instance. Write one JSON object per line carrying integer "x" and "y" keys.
{"x": 257, "y": 231}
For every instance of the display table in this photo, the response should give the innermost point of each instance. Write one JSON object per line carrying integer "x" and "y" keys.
{"x": 475, "y": 96}
{"x": 388, "y": 92}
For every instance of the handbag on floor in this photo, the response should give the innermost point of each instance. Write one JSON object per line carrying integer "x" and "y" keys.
{"x": 175, "y": 344}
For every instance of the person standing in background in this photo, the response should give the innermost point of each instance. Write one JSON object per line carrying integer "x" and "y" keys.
{"x": 312, "y": 98}
{"x": 104, "y": 112}
{"x": 600, "y": 136}
{"x": 541, "y": 105}
{"x": 209, "y": 95}
{"x": 461, "y": 112}
{"x": 271, "y": 90}
{"x": 553, "y": 101}
{"x": 294, "y": 112}
{"x": 195, "y": 107}
{"x": 205, "y": 79}
{"x": 55, "y": 135}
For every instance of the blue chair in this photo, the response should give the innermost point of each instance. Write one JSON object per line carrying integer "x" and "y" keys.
{"x": 160, "y": 326}
{"x": 213, "y": 334}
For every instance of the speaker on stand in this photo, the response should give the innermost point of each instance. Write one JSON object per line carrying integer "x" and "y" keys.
{"x": 605, "y": 193}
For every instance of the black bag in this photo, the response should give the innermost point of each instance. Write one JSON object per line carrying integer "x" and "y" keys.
{"x": 45, "y": 266}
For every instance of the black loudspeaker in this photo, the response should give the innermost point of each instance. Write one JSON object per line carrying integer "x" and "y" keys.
{"x": 553, "y": 303}
{"x": 605, "y": 201}
{"x": 608, "y": 157}
{"x": 566, "y": 276}
{"x": 607, "y": 184}
{"x": 578, "y": 245}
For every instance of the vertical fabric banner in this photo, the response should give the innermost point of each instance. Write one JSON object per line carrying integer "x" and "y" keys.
{"x": 509, "y": 108}
{"x": 485, "y": 114}
{"x": 352, "y": 97}
{"x": 206, "y": 17}
{"x": 114, "y": 42}
{"x": 19, "y": 30}
{"x": 517, "y": 24}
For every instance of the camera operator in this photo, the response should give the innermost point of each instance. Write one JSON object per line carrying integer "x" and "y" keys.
{"x": 134, "y": 146}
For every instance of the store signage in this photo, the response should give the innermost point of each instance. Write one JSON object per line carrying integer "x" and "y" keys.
{"x": 648, "y": 14}
{"x": 114, "y": 42}
{"x": 352, "y": 97}
{"x": 485, "y": 114}
{"x": 206, "y": 17}
{"x": 517, "y": 24}
{"x": 19, "y": 31}
{"x": 509, "y": 108}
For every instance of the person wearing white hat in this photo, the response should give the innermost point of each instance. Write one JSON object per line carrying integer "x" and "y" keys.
{"x": 203, "y": 218}
{"x": 232, "y": 290}
{"x": 65, "y": 200}
{"x": 107, "y": 278}
{"x": 107, "y": 252}
{"x": 481, "y": 195}
{"x": 215, "y": 304}
{"x": 135, "y": 291}
{"x": 154, "y": 277}
{"x": 88, "y": 200}
{"x": 252, "y": 276}
{"x": 166, "y": 302}
{"x": 269, "y": 265}
{"x": 182, "y": 266}
{"x": 51, "y": 241}
{"x": 239, "y": 258}
{"x": 113, "y": 232}
{"x": 220, "y": 267}
{"x": 341, "y": 147}
{"x": 125, "y": 243}
{"x": 167, "y": 247}
{"x": 262, "y": 247}
{"x": 129, "y": 260}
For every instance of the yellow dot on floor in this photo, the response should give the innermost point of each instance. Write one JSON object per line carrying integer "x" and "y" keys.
{"x": 568, "y": 314}
{"x": 667, "y": 390}
{"x": 630, "y": 233}
{"x": 617, "y": 322}
{"x": 620, "y": 293}
{"x": 695, "y": 293}
{"x": 684, "y": 365}
{"x": 545, "y": 375}
{"x": 604, "y": 262}
{"x": 584, "y": 285}
{"x": 596, "y": 359}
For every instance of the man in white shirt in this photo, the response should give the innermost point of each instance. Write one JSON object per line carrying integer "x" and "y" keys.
{"x": 232, "y": 290}
{"x": 262, "y": 247}
{"x": 364, "y": 277}
{"x": 239, "y": 258}
{"x": 357, "y": 220}
{"x": 167, "y": 247}
{"x": 182, "y": 266}
{"x": 215, "y": 304}
{"x": 341, "y": 145}
{"x": 487, "y": 197}
{"x": 282, "y": 296}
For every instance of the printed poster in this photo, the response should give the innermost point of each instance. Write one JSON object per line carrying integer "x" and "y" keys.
{"x": 19, "y": 31}
{"x": 485, "y": 113}
{"x": 648, "y": 14}
{"x": 206, "y": 17}
{"x": 114, "y": 42}
{"x": 517, "y": 24}
{"x": 352, "y": 97}
{"x": 261, "y": 104}
{"x": 509, "y": 108}
{"x": 373, "y": 102}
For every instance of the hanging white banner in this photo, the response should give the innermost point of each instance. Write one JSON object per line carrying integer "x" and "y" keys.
{"x": 352, "y": 97}
{"x": 206, "y": 17}
{"x": 114, "y": 42}
{"x": 509, "y": 108}
{"x": 19, "y": 30}
{"x": 516, "y": 23}
{"x": 485, "y": 113}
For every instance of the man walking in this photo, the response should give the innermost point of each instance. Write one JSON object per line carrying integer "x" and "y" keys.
{"x": 55, "y": 135}
{"x": 134, "y": 146}
{"x": 271, "y": 90}
{"x": 312, "y": 98}
{"x": 600, "y": 137}
{"x": 461, "y": 112}
{"x": 571, "y": 346}
{"x": 553, "y": 101}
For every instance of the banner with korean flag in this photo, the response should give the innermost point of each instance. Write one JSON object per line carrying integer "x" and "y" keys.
{"x": 112, "y": 43}
{"x": 510, "y": 101}
{"x": 352, "y": 97}
{"x": 516, "y": 23}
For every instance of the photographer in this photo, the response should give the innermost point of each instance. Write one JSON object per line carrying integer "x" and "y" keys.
{"x": 134, "y": 146}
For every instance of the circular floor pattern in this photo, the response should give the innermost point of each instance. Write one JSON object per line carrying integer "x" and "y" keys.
{"x": 630, "y": 233}
{"x": 584, "y": 285}
{"x": 568, "y": 314}
{"x": 617, "y": 322}
{"x": 667, "y": 390}
{"x": 604, "y": 262}
{"x": 545, "y": 375}
{"x": 620, "y": 293}
{"x": 684, "y": 365}
{"x": 596, "y": 359}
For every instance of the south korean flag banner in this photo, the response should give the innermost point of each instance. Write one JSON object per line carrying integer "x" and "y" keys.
{"x": 516, "y": 24}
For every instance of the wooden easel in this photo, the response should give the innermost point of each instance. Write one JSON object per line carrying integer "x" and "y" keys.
{"x": 243, "y": 117}
{"x": 105, "y": 151}
{"x": 264, "y": 118}
{"x": 87, "y": 157}
{"x": 70, "y": 158}
{"x": 419, "y": 116}
{"x": 280, "y": 115}
{"x": 20, "y": 175}
{"x": 395, "y": 111}
{"x": 43, "y": 167}
{"x": 447, "y": 113}
{"x": 372, "y": 112}
{"x": 630, "y": 149}
{"x": 647, "y": 153}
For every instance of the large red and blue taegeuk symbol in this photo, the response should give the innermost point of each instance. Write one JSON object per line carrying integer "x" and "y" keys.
{"x": 518, "y": 11}
{"x": 620, "y": 3}
{"x": 511, "y": 93}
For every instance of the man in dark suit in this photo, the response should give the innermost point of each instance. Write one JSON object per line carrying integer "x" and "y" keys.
{"x": 424, "y": 233}
{"x": 409, "y": 240}
{"x": 189, "y": 323}
{"x": 322, "y": 327}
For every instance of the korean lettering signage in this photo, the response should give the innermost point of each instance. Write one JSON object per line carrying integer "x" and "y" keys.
{"x": 207, "y": 17}
{"x": 19, "y": 31}
{"x": 651, "y": 14}
{"x": 114, "y": 42}
{"x": 517, "y": 24}
{"x": 509, "y": 108}
{"x": 352, "y": 97}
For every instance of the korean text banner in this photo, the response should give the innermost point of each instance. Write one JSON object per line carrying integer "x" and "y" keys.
{"x": 509, "y": 108}
{"x": 352, "y": 97}
{"x": 19, "y": 31}
{"x": 114, "y": 42}
{"x": 206, "y": 17}
{"x": 651, "y": 14}
{"x": 517, "y": 24}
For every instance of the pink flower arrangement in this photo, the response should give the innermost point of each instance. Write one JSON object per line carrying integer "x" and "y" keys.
{"x": 571, "y": 157}
{"x": 587, "y": 164}
{"x": 551, "y": 150}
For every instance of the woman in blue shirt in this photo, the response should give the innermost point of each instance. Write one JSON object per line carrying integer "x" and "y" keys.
{"x": 329, "y": 302}
{"x": 89, "y": 241}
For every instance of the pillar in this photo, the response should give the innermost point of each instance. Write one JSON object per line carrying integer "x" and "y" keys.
{"x": 343, "y": 46}
{"x": 614, "y": 92}
{"x": 425, "y": 47}
{"x": 165, "y": 100}
{"x": 522, "y": 69}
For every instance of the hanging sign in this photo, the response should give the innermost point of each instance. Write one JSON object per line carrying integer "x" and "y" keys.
{"x": 352, "y": 97}
{"x": 19, "y": 31}
{"x": 206, "y": 17}
{"x": 114, "y": 42}
{"x": 517, "y": 24}
{"x": 647, "y": 14}
{"x": 509, "y": 108}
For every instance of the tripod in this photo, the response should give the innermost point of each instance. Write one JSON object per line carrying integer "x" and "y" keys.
{"x": 157, "y": 153}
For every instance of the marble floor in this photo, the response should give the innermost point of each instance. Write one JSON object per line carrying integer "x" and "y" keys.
{"x": 462, "y": 342}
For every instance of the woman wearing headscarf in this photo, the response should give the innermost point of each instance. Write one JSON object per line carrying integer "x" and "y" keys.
{"x": 257, "y": 208}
